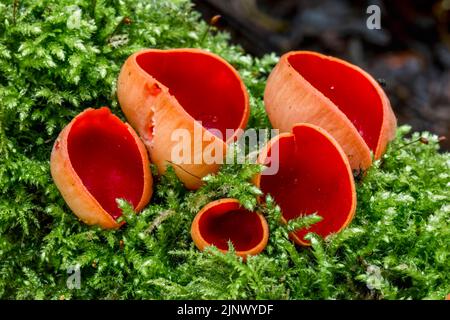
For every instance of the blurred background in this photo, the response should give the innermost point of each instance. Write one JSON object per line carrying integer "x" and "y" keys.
{"x": 410, "y": 54}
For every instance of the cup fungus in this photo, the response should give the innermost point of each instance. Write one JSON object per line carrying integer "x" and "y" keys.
{"x": 313, "y": 176}
{"x": 225, "y": 220}
{"x": 192, "y": 91}
{"x": 95, "y": 160}
{"x": 308, "y": 87}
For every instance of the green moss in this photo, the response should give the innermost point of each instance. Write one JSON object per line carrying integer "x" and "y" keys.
{"x": 59, "y": 57}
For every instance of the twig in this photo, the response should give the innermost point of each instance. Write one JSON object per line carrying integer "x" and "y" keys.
{"x": 180, "y": 167}
{"x": 214, "y": 20}
{"x": 125, "y": 20}
{"x": 422, "y": 140}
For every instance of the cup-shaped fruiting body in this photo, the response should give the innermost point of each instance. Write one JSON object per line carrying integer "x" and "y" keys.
{"x": 181, "y": 102}
{"x": 308, "y": 87}
{"x": 225, "y": 220}
{"x": 97, "y": 159}
{"x": 313, "y": 176}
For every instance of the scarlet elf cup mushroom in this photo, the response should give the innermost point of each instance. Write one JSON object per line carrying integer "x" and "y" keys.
{"x": 226, "y": 220}
{"x": 95, "y": 160}
{"x": 165, "y": 91}
{"x": 314, "y": 176}
{"x": 333, "y": 94}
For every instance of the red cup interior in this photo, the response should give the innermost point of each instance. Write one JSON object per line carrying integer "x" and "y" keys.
{"x": 205, "y": 87}
{"x": 228, "y": 222}
{"x": 348, "y": 89}
{"x": 106, "y": 157}
{"x": 312, "y": 178}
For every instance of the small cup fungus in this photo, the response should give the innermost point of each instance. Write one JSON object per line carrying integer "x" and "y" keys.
{"x": 225, "y": 220}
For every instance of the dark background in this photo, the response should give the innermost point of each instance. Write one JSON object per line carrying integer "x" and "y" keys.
{"x": 411, "y": 51}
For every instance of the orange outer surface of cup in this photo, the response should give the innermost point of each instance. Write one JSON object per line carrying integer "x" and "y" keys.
{"x": 155, "y": 114}
{"x": 289, "y": 99}
{"x": 77, "y": 197}
{"x": 201, "y": 243}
